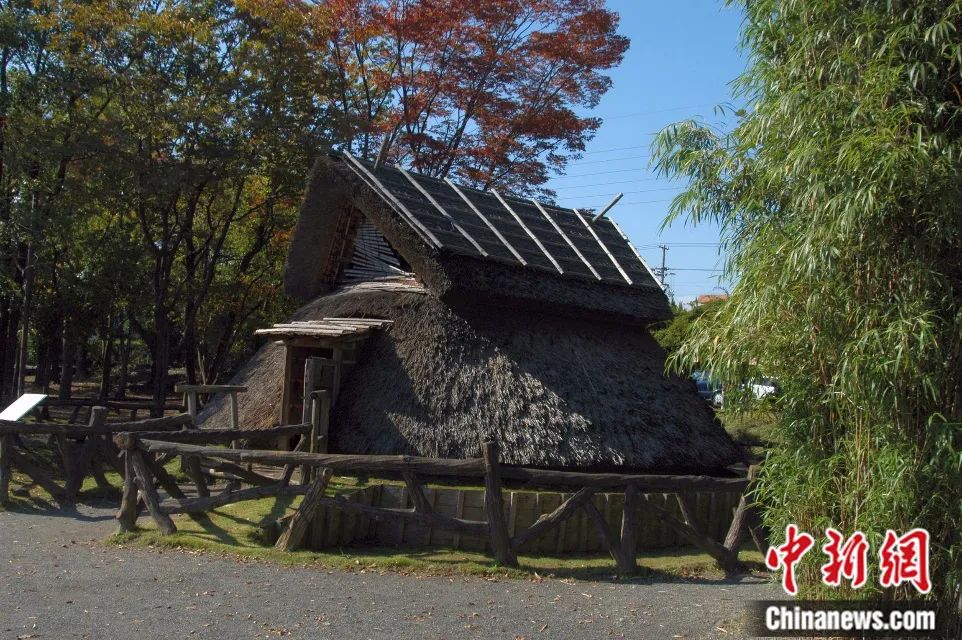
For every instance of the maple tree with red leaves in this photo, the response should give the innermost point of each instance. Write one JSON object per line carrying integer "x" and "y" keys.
{"x": 483, "y": 91}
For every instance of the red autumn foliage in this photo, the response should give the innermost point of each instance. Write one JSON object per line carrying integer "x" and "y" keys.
{"x": 484, "y": 90}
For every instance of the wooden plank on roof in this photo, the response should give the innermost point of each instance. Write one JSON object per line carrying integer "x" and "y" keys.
{"x": 530, "y": 233}
{"x": 484, "y": 218}
{"x": 384, "y": 192}
{"x": 294, "y": 331}
{"x": 443, "y": 212}
{"x": 603, "y": 246}
{"x": 566, "y": 238}
{"x": 635, "y": 251}
{"x": 370, "y": 321}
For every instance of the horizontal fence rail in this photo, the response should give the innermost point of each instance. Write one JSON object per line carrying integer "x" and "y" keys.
{"x": 82, "y": 450}
{"x": 621, "y": 543}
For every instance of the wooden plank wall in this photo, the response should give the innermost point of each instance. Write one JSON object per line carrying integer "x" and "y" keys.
{"x": 333, "y": 527}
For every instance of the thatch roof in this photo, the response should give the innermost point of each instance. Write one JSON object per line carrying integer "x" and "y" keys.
{"x": 465, "y": 244}
{"x": 554, "y": 391}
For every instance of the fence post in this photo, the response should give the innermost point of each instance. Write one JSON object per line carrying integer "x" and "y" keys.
{"x": 127, "y": 515}
{"x": 190, "y": 464}
{"x": 146, "y": 483}
{"x": 745, "y": 519}
{"x": 77, "y": 471}
{"x": 629, "y": 528}
{"x": 293, "y": 536}
{"x": 494, "y": 507}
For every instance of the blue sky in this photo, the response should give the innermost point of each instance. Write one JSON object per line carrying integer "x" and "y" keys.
{"x": 683, "y": 56}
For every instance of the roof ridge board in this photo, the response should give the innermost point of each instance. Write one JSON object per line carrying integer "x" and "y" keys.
{"x": 464, "y": 218}
{"x": 513, "y": 230}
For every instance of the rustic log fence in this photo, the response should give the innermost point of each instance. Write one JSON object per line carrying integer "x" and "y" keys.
{"x": 81, "y": 449}
{"x": 82, "y": 408}
{"x": 416, "y": 471}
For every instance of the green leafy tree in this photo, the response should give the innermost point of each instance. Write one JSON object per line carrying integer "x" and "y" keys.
{"x": 673, "y": 333}
{"x": 838, "y": 196}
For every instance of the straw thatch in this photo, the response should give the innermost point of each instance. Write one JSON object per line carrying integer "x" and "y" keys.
{"x": 554, "y": 391}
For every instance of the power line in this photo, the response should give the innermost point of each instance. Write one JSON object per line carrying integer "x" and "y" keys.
{"x": 599, "y": 173}
{"x": 642, "y": 157}
{"x": 625, "y": 204}
{"x": 604, "y": 184}
{"x": 601, "y": 195}
{"x": 609, "y": 150}
{"x": 680, "y": 244}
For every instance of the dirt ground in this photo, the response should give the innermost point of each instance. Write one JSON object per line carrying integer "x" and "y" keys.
{"x": 58, "y": 580}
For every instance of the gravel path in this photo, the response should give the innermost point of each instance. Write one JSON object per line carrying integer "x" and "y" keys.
{"x": 58, "y": 581}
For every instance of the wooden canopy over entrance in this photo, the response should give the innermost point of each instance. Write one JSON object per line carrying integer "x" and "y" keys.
{"x": 326, "y": 328}
{"x": 317, "y": 354}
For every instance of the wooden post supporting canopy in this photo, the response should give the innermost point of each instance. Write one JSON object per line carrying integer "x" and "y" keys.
{"x": 320, "y": 420}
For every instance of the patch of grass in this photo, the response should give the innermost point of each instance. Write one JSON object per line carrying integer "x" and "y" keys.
{"x": 751, "y": 429}
{"x": 237, "y": 530}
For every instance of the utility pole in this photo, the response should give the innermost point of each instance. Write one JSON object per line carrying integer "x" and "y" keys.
{"x": 663, "y": 272}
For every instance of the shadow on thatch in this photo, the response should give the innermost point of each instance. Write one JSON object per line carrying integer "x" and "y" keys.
{"x": 554, "y": 391}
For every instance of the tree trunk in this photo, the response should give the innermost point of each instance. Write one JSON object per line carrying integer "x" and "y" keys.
{"x": 9, "y": 339}
{"x": 190, "y": 353}
{"x": 82, "y": 371}
{"x": 68, "y": 357}
{"x": 23, "y": 350}
{"x": 106, "y": 359}
{"x": 124, "y": 363}
{"x": 161, "y": 360}
{"x": 4, "y": 350}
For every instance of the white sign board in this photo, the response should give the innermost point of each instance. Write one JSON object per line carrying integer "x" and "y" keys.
{"x": 22, "y": 406}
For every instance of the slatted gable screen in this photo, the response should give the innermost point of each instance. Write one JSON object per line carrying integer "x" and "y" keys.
{"x": 372, "y": 258}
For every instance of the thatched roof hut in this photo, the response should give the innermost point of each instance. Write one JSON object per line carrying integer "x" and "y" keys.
{"x": 509, "y": 319}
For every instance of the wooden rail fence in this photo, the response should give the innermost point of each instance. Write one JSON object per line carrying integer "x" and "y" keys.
{"x": 82, "y": 408}
{"x": 82, "y": 450}
{"x": 415, "y": 471}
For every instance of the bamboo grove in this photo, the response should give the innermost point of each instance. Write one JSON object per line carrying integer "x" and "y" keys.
{"x": 838, "y": 196}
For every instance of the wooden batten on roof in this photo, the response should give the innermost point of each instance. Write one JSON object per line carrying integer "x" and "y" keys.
{"x": 371, "y": 222}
